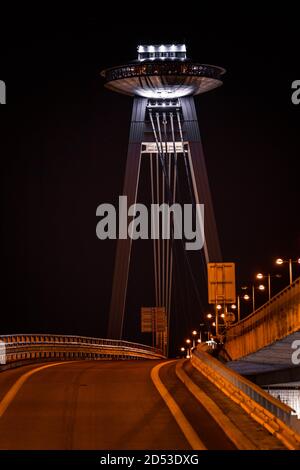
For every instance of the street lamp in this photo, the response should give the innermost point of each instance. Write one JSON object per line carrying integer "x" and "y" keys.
{"x": 209, "y": 316}
{"x": 218, "y": 308}
{"x": 261, "y": 276}
{"x": 244, "y": 297}
{"x": 280, "y": 261}
{"x": 194, "y": 333}
{"x": 200, "y": 332}
{"x": 261, "y": 287}
{"x": 188, "y": 349}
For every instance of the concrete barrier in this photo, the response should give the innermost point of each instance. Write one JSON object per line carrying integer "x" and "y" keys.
{"x": 274, "y": 415}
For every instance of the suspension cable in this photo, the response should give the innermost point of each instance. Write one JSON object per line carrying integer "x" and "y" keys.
{"x": 191, "y": 185}
{"x": 154, "y": 223}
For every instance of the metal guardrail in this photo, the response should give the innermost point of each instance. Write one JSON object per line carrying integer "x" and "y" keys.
{"x": 33, "y": 347}
{"x": 274, "y": 320}
{"x": 274, "y": 406}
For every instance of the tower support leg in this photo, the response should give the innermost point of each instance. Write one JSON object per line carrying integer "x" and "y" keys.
{"x": 122, "y": 261}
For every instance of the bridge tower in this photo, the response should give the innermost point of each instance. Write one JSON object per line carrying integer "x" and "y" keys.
{"x": 164, "y": 129}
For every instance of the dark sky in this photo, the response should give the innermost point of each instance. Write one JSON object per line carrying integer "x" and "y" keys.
{"x": 63, "y": 149}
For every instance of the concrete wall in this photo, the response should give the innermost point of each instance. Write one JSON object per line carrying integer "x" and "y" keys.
{"x": 272, "y": 322}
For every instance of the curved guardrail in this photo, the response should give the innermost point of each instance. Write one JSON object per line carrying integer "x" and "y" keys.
{"x": 23, "y": 348}
{"x": 274, "y": 415}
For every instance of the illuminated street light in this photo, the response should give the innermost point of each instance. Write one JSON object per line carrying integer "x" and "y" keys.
{"x": 261, "y": 287}
{"x": 219, "y": 307}
{"x": 182, "y": 349}
{"x": 267, "y": 276}
{"x": 222, "y": 315}
{"x": 246, "y": 297}
{"x": 188, "y": 349}
{"x": 198, "y": 340}
{"x": 214, "y": 323}
{"x": 233, "y": 306}
{"x": 209, "y": 315}
{"x": 280, "y": 261}
{"x": 194, "y": 333}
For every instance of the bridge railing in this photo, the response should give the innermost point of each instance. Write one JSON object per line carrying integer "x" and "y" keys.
{"x": 273, "y": 321}
{"x": 23, "y": 348}
{"x": 274, "y": 415}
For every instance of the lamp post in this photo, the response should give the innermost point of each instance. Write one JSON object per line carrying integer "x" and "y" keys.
{"x": 267, "y": 276}
{"x": 209, "y": 317}
{"x": 262, "y": 276}
{"x": 200, "y": 332}
{"x": 280, "y": 261}
{"x": 262, "y": 288}
{"x": 253, "y": 298}
{"x": 194, "y": 333}
{"x": 218, "y": 308}
{"x": 247, "y": 297}
{"x": 188, "y": 351}
{"x": 239, "y": 297}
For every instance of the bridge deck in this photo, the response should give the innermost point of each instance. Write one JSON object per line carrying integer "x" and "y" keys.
{"x": 107, "y": 405}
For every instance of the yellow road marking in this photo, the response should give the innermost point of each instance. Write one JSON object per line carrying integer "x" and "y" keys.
{"x": 12, "y": 392}
{"x": 187, "y": 429}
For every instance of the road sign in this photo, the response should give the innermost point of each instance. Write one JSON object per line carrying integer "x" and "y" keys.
{"x": 147, "y": 319}
{"x": 221, "y": 283}
{"x": 153, "y": 319}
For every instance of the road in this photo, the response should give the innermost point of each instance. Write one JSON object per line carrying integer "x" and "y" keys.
{"x": 99, "y": 405}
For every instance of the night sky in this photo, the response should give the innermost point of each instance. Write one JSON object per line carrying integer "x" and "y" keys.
{"x": 63, "y": 151}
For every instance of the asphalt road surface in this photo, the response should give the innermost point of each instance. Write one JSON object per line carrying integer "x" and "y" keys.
{"x": 99, "y": 405}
